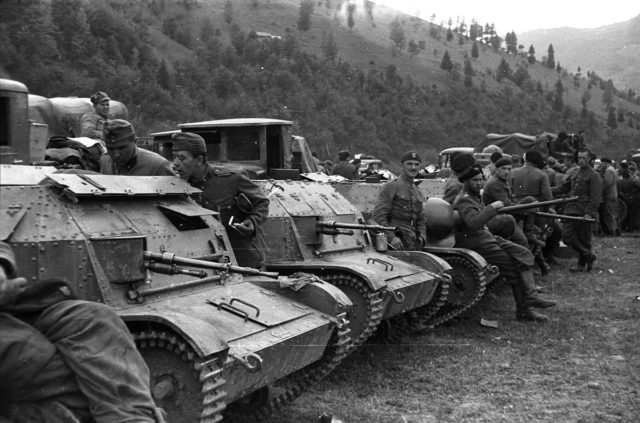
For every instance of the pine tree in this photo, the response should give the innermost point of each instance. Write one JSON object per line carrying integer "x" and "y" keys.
{"x": 558, "y": 104}
{"x": 304, "y": 16}
{"x": 350, "y": 15}
{"x": 446, "y": 63}
{"x": 468, "y": 73}
{"x": 611, "y": 118}
{"x": 164, "y": 77}
{"x": 551, "y": 59}
{"x": 531, "y": 55}
{"x": 228, "y": 12}
{"x": 504, "y": 70}
{"x": 397, "y": 34}
{"x": 329, "y": 47}
{"x": 413, "y": 48}
{"x": 474, "y": 50}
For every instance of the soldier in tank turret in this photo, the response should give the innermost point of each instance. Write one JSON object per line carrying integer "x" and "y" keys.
{"x": 92, "y": 123}
{"x": 242, "y": 206}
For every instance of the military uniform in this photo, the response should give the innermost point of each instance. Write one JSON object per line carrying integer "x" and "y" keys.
{"x": 587, "y": 186}
{"x": 221, "y": 188}
{"x": 345, "y": 169}
{"x": 78, "y": 354}
{"x": 452, "y": 188}
{"x": 610, "y": 201}
{"x": 92, "y": 125}
{"x": 143, "y": 163}
{"x": 400, "y": 205}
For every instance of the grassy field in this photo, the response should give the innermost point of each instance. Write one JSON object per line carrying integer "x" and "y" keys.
{"x": 582, "y": 366}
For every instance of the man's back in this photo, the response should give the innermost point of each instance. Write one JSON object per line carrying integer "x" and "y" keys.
{"x": 530, "y": 181}
{"x": 345, "y": 169}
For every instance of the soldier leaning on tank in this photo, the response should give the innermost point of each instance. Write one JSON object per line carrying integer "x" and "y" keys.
{"x": 400, "y": 205}
{"x": 92, "y": 123}
{"x": 344, "y": 168}
{"x": 242, "y": 206}
{"x": 514, "y": 261}
{"x": 531, "y": 181}
{"x": 584, "y": 182}
{"x": 124, "y": 157}
{"x": 62, "y": 356}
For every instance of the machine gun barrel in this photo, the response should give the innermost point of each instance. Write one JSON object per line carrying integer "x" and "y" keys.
{"x": 537, "y": 204}
{"x": 565, "y": 217}
{"x": 330, "y": 224}
{"x": 172, "y": 259}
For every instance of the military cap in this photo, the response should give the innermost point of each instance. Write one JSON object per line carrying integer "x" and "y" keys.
{"x": 118, "y": 131}
{"x": 503, "y": 161}
{"x": 495, "y": 156}
{"x": 188, "y": 141}
{"x": 470, "y": 172}
{"x": 534, "y": 156}
{"x": 461, "y": 162}
{"x": 410, "y": 155}
{"x": 99, "y": 97}
{"x": 606, "y": 160}
{"x": 343, "y": 155}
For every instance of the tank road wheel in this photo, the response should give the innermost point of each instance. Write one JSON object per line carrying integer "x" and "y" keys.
{"x": 258, "y": 406}
{"x": 465, "y": 290}
{"x": 188, "y": 389}
{"x": 368, "y": 308}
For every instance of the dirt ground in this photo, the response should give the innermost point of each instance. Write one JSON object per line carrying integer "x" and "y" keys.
{"x": 582, "y": 366}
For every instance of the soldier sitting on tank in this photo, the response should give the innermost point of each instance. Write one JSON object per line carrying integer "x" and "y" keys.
{"x": 65, "y": 360}
{"x": 514, "y": 261}
{"x": 242, "y": 206}
{"x": 124, "y": 157}
{"x": 92, "y": 123}
{"x": 504, "y": 224}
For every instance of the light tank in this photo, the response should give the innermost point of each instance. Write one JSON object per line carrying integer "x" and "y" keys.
{"x": 470, "y": 272}
{"x": 213, "y": 334}
{"x": 312, "y": 228}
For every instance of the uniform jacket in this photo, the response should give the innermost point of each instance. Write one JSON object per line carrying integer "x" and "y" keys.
{"x": 472, "y": 231}
{"x": 400, "y": 204}
{"x": 452, "y": 188}
{"x": 220, "y": 187}
{"x": 528, "y": 180}
{"x": 586, "y": 185}
{"x": 610, "y": 184}
{"x": 346, "y": 169}
{"x": 143, "y": 163}
{"x": 497, "y": 190}
{"x": 92, "y": 124}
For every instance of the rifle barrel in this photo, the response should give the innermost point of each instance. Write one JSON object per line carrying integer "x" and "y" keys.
{"x": 339, "y": 225}
{"x": 565, "y": 217}
{"x": 170, "y": 258}
{"x": 520, "y": 207}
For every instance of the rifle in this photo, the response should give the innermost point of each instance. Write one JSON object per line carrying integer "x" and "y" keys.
{"x": 535, "y": 205}
{"x": 565, "y": 217}
{"x": 167, "y": 263}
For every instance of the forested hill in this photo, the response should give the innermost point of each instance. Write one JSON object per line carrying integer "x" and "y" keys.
{"x": 350, "y": 75}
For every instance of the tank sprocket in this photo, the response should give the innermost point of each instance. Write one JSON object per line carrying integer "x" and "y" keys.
{"x": 467, "y": 288}
{"x": 368, "y": 306}
{"x": 186, "y": 387}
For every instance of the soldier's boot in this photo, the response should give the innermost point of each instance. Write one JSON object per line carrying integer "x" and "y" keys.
{"x": 528, "y": 286}
{"x": 524, "y": 312}
{"x": 583, "y": 255}
{"x": 542, "y": 263}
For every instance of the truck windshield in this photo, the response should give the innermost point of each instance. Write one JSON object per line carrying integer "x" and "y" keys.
{"x": 243, "y": 144}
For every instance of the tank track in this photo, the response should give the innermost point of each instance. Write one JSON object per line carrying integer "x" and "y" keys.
{"x": 479, "y": 292}
{"x": 375, "y": 304}
{"x": 209, "y": 371}
{"x": 296, "y": 383}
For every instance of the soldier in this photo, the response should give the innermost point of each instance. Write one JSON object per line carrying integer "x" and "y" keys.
{"x": 584, "y": 182}
{"x": 242, "y": 206}
{"x": 61, "y": 356}
{"x": 400, "y": 205}
{"x": 344, "y": 168}
{"x": 609, "y": 198}
{"x": 92, "y": 123}
{"x": 459, "y": 163}
{"x": 514, "y": 261}
{"x": 124, "y": 157}
{"x": 531, "y": 181}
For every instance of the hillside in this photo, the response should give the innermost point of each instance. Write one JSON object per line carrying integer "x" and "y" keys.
{"x": 612, "y": 51}
{"x": 342, "y": 81}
